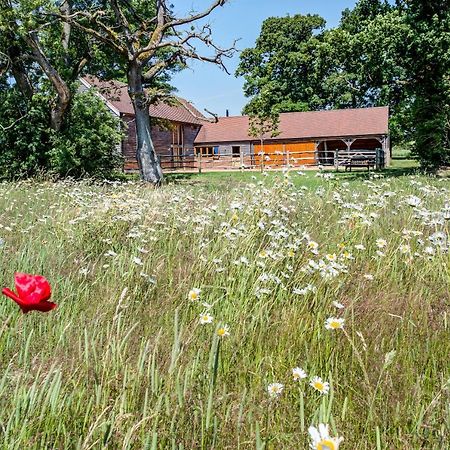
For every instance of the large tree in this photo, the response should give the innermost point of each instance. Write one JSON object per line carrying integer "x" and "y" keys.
{"x": 428, "y": 62}
{"x": 299, "y": 65}
{"x": 281, "y": 72}
{"x": 37, "y": 52}
{"x": 150, "y": 40}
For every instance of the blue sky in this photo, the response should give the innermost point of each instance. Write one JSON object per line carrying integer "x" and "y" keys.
{"x": 209, "y": 87}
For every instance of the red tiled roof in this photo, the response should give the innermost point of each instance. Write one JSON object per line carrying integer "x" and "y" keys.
{"x": 302, "y": 125}
{"x": 116, "y": 93}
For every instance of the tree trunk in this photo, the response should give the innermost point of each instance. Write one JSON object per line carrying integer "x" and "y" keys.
{"x": 145, "y": 151}
{"x": 18, "y": 69}
{"x": 63, "y": 92}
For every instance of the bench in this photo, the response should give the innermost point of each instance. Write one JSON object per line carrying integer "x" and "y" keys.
{"x": 358, "y": 161}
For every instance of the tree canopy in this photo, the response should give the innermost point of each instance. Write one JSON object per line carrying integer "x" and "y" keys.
{"x": 379, "y": 54}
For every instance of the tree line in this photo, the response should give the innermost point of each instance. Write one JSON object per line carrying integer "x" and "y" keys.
{"x": 381, "y": 53}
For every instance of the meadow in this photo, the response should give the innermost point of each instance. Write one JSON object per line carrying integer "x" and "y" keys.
{"x": 228, "y": 312}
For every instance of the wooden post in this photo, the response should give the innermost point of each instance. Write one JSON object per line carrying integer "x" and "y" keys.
{"x": 262, "y": 156}
{"x": 241, "y": 156}
{"x": 336, "y": 159}
{"x": 288, "y": 159}
{"x": 200, "y": 161}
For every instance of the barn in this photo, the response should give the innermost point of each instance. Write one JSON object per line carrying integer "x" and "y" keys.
{"x": 304, "y": 138}
{"x": 185, "y": 140}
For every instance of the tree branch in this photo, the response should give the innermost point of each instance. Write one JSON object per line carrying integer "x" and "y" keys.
{"x": 63, "y": 92}
{"x": 14, "y": 123}
{"x": 111, "y": 39}
{"x": 194, "y": 17}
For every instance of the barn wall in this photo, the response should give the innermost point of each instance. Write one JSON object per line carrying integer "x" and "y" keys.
{"x": 189, "y": 134}
{"x": 226, "y": 149}
{"x": 162, "y": 140}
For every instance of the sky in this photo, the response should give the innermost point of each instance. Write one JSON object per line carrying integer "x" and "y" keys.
{"x": 207, "y": 86}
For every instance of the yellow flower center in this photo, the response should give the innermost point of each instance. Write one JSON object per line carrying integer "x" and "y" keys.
{"x": 326, "y": 444}
{"x": 335, "y": 324}
{"x": 194, "y": 295}
{"x": 318, "y": 385}
{"x": 221, "y": 331}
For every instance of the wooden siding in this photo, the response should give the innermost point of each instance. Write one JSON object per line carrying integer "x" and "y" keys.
{"x": 165, "y": 142}
{"x": 300, "y": 153}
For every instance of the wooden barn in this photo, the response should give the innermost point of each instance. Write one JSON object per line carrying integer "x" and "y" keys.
{"x": 174, "y": 127}
{"x": 334, "y": 138}
{"x": 185, "y": 140}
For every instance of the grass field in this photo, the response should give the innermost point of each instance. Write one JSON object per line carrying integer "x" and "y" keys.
{"x": 180, "y": 308}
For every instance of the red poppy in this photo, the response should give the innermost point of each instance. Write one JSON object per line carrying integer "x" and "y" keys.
{"x": 33, "y": 292}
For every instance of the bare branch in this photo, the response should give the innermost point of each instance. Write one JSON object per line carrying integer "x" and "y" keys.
{"x": 110, "y": 38}
{"x": 194, "y": 17}
{"x": 123, "y": 22}
{"x": 13, "y": 124}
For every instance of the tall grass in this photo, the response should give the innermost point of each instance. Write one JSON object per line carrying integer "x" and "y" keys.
{"x": 124, "y": 362}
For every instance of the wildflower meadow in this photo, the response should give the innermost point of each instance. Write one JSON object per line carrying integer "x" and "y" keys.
{"x": 286, "y": 311}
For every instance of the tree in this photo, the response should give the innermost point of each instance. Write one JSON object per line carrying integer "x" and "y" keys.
{"x": 263, "y": 126}
{"x": 22, "y": 44}
{"x": 298, "y": 65}
{"x": 428, "y": 61}
{"x": 280, "y": 72}
{"x": 150, "y": 40}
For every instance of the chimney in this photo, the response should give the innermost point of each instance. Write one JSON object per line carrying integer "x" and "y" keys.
{"x": 227, "y": 113}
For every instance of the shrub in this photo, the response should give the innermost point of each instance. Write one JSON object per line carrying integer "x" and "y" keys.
{"x": 86, "y": 146}
{"x": 89, "y": 144}
{"x": 24, "y": 135}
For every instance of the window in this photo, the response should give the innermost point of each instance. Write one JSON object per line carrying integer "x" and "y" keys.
{"x": 236, "y": 151}
{"x": 204, "y": 151}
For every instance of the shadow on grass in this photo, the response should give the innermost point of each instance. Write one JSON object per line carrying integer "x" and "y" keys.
{"x": 400, "y": 168}
{"x": 171, "y": 178}
{"x": 389, "y": 172}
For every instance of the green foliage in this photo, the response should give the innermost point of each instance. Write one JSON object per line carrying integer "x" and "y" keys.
{"x": 428, "y": 60}
{"x": 353, "y": 65}
{"x": 89, "y": 144}
{"x": 24, "y": 135}
{"x": 280, "y": 72}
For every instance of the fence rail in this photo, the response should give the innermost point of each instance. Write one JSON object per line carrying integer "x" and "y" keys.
{"x": 261, "y": 160}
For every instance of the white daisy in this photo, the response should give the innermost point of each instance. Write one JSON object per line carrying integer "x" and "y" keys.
{"x": 298, "y": 374}
{"x": 275, "y": 389}
{"x": 321, "y": 439}
{"x": 334, "y": 323}
{"x": 319, "y": 385}
{"x": 194, "y": 294}
{"x": 205, "y": 318}
{"x": 223, "y": 331}
{"x": 381, "y": 243}
{"x": 338, "y": 305}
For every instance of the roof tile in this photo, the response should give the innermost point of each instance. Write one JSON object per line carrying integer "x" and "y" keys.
{"x": 303, "y": 125}
{"x": 116, "y": 93}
